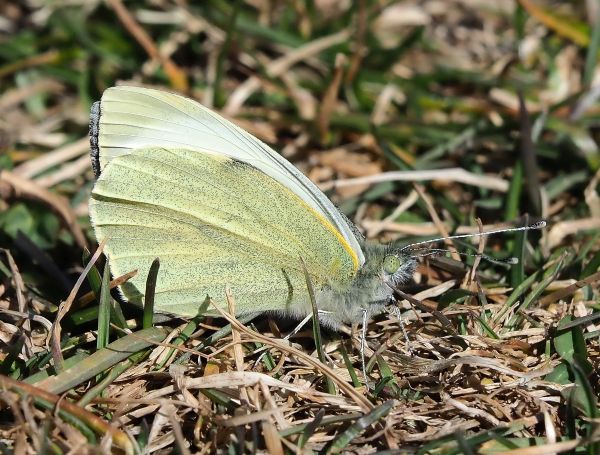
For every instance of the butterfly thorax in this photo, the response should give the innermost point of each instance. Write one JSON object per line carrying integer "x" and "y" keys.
{"x": 370, "y": 291}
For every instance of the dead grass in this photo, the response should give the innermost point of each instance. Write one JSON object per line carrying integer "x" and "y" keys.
{"x": 420, "y": 117}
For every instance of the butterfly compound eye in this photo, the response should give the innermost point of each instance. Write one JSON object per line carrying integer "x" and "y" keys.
{"x": 391, "y": 264}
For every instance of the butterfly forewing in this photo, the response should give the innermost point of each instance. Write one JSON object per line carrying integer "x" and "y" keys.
{"x": 131, "y": 118}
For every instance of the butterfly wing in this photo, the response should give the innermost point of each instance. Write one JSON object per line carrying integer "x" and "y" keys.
{"x": 213, "y": 221}
{"x": 130, "y": 118}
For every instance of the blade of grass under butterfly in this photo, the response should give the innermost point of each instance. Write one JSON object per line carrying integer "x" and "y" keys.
{"x": 95, "y": 281}
{"x": 149, "y": 295}
{"x": 94, "y": 278}
{"x": 317, "y": 327}
{"x": 100, "y": 360}
{"x": 353, "y": 376}
{"x": 104, "y": 310}
{"x": 63, "y": 309}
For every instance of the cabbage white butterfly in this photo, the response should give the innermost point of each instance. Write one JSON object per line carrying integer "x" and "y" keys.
{"x": 219, "y": 207}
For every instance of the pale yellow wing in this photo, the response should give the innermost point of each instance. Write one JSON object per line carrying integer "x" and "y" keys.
{"x": 213, "y": 221}
{"x": 130, "y": 118}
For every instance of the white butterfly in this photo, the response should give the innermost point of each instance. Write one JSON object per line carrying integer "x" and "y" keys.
{"x": 219, "y": 207}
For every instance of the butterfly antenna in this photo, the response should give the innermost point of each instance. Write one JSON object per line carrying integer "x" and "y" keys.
{"x": 439, "y": 251}
{"x": 538, "y": 225}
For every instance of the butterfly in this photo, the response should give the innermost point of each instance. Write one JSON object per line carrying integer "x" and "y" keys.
{"x": 220, "y": 208}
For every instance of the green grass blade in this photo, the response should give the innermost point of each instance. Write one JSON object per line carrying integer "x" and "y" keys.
{"x": 317, "y": 327}
{"x": 591, "y": 58}
{"x": 149, "y": 296}
{"x": 343, "y": 439}
{"x": 100, "y": 360}
{"x": 104, "y": 310}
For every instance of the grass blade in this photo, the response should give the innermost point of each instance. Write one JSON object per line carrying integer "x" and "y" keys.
{"x": 149, "y": 296}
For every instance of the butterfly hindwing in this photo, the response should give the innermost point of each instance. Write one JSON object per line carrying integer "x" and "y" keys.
{"x": 213, "y": 221}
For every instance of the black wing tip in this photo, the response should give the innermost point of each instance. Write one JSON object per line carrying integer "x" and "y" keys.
{"x": 95, "y": 114}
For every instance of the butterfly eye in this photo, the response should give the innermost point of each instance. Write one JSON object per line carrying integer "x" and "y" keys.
{"x": 391, "y": 264}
